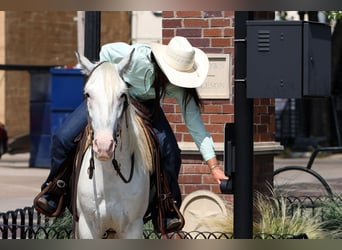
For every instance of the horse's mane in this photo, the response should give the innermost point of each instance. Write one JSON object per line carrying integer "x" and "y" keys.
{"x": 139, "y": 136}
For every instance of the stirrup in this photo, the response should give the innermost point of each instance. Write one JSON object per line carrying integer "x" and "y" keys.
{"x": 41, "y": 204}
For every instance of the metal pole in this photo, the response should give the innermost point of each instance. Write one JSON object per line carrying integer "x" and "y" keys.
{"x": 243, "y": 182}
{"x": 80, "y": 19}
{"x": 92, "y": 35}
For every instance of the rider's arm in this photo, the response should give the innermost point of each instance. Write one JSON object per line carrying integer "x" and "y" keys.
{"x": 194, "y": 123}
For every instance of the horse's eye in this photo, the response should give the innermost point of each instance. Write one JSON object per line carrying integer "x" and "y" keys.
{"x": 124, "y": 96}
{"x": 86, "y": 95}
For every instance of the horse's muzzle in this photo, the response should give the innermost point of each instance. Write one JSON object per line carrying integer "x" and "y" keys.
{"x": 104, "y": 150}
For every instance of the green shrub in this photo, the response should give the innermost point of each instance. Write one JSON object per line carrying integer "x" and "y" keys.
{"x": 332, "y": 215}
{"x": 279, "y": 218}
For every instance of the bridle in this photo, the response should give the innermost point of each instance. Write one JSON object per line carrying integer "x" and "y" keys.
{"x": 116, "y": 165}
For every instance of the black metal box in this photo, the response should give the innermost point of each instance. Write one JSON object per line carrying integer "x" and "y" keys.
{"x": 288, "y": 59}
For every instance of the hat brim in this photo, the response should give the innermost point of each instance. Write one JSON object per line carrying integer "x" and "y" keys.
{"x": 189, "y": 79}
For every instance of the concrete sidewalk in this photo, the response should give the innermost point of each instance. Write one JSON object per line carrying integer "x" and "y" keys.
{"x": 19, "y": 183}
{"x": 328, "y": 167}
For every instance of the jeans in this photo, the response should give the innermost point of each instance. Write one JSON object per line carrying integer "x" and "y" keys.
{"x": 170, "y": 157}
{"x": 63, "y": 140}
{"x": 63, "y": 144}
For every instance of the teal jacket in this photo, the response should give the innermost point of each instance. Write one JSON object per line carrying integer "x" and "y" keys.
{"x": 140, "y": 75}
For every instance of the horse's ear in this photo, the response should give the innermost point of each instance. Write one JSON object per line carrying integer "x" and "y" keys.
{"x": 124, "y": 63}
{"x": 86, "y": 65}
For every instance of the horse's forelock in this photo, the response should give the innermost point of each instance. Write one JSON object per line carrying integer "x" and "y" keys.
{"x": 111, "y": 75}
{"x": 106, "y": 77}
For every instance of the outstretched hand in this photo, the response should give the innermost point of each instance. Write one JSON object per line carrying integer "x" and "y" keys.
{"x": 218, "y": 174}
{"x": 216, "y": 170}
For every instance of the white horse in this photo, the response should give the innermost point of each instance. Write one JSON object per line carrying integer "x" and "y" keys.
{"x": 110, "y": 200}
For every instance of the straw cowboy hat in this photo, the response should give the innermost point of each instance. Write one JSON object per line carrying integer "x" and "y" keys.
{"x": 184, "y": 65}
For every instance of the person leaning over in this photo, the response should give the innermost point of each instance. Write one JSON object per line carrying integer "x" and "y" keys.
{"x": 156, "y": 71}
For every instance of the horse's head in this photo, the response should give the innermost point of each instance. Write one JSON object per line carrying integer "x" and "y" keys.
{"x": 106, "y": 95}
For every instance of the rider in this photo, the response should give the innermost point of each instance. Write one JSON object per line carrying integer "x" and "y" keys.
{"x": 155, "y": 71}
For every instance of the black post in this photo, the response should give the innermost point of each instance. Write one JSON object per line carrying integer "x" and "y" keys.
{"x": 243, "y": 182}
{"x": 92, "y": 36}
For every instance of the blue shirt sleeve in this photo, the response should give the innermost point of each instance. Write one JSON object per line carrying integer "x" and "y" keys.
{"x": 193, "y": 121}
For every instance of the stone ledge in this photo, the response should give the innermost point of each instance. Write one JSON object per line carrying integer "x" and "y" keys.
{"x": 260, "y": 148}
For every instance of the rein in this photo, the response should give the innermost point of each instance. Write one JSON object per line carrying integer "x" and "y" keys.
{"x": 116, "y": 166}
{"x": 91, "y": 164}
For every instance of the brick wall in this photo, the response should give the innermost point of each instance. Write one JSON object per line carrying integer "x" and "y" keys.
{"x": 213, "y": 32}
{"x": 264, "y": 120}
{"x": 38, "y": 38}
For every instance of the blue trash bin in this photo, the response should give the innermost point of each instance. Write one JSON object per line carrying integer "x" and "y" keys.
{"x": 66, "y": 94}
{"x": 54, "y": 95}
{"x": 40, "y": 88}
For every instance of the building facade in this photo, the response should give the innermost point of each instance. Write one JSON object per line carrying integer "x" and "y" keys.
{"x": 42, "y": 38}
{"x": 50, "y": 38}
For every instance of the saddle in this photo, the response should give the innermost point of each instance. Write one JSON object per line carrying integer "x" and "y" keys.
{"x": 161, "y": 201}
